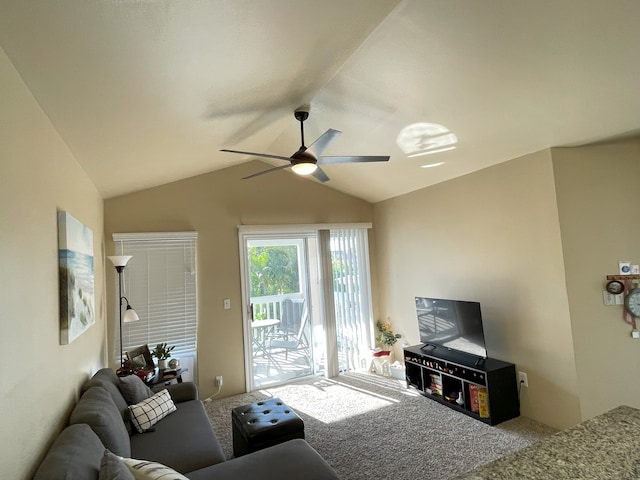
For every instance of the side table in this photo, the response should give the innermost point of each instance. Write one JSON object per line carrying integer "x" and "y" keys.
{"x": 165, "y": 377}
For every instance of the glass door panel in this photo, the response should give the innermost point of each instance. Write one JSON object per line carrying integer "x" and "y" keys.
{"x": 279, "y": 320}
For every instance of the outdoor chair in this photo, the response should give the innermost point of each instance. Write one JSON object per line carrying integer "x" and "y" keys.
{"x": 285, "y": 339}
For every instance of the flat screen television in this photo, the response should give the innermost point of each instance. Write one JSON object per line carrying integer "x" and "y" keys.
{"x": 453, "y": 324}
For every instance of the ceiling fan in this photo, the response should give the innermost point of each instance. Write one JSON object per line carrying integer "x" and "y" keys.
{"x": 307, "y": 160}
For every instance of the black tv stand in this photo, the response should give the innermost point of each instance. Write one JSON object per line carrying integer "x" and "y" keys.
{"x": 483, "y": 388}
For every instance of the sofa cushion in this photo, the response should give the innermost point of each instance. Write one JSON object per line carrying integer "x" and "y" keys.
{"x": 184, "y": 441}
{"x": 146, "y": 470}
{"x": 147, "y": 413}
{"x": 294, "y": 459}
{"x": 113, "y": 468}
{"x": 75, "y": 455}
{"x": 96, "y": 409}
{"x": 133, "y": 389}
{"x": 183, "y": 392}
{"x": 107, "y": 379}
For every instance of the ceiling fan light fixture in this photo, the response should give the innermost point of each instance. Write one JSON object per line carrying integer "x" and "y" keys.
{"x": 308, "y": 160}
{"x": 304, "y": 168}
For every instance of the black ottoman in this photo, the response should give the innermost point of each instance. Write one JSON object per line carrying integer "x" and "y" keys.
{"x": 264, "y": 424}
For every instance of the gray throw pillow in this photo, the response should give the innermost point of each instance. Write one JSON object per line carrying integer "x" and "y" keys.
{"x": 133, "y": 389}
{"x": 112, "y": 468}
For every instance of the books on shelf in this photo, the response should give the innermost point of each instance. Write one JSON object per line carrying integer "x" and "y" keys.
{"x": 483, "y": 402}
{"x": 436, "y": 384}
{"x": 479, "y": 400}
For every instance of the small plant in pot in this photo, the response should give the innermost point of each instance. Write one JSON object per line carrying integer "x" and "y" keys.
{"x": 385, "y": 336}
{"x": 162, "y": 352}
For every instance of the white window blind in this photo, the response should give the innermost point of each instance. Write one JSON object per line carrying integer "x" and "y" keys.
{"x": 160, "y": 283}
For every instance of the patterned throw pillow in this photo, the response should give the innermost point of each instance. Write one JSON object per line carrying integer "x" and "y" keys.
{"x": 147, "y": 413}
{"x": 146, "y": 470}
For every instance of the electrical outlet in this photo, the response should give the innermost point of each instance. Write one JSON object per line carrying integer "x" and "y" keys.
{"x": 522, "y": 379}
{"x": 219, "y": 381}
{"x": 226, "y": 303}
{"x": 608, "y": 298}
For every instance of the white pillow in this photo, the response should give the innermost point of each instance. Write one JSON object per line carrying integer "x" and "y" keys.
{"x": 147, "y": 413}
{"x": 146, "y": 470}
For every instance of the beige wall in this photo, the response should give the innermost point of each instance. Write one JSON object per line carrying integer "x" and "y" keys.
{"x": 497, "y": 236}
{"x": 598, "y": 202}
{"x": 38, "y": 174}
{"x": 494, "y": 237}
{"x": 214, "y": 205}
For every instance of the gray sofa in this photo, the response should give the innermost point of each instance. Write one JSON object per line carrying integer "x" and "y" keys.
{"x": 183, "y": 440}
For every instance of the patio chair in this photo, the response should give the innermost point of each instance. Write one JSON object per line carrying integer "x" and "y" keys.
{"x": 285, "y": 339}
{"x": 291, "y": 315}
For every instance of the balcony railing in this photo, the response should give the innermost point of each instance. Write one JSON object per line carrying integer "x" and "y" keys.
{"x": 270, "y": 306}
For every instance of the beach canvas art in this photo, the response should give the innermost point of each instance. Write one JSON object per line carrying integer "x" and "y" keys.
{"x": 75, "y": 257}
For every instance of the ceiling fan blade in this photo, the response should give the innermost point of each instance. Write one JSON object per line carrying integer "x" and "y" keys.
{"x": 266, "y": 155}
{"x": 323, "y": 141}
{"x": 267, "y": 171}
{"x": 320, "y": 175}
{"x": 352, "y": 159}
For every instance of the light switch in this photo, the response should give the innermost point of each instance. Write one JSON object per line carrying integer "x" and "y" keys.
{"x": 227, "y": 303}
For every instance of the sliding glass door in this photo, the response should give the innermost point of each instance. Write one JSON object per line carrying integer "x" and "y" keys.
{"x": 279, "y": 318}
{"x": 307, "y": 302}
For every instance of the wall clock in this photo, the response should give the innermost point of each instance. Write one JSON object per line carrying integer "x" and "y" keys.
{"x": 632, "y": 302}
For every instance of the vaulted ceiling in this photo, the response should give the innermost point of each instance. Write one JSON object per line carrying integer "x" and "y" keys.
{"x": 145, "y": 92}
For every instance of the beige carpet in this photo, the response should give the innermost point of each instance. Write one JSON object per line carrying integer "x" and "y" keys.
{"x": 367, "y": 426}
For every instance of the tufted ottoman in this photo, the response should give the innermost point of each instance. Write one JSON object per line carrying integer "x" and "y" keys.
{"x": 264, "y": 424}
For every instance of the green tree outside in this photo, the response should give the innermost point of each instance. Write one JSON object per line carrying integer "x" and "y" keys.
{"x": 274, "y": 270}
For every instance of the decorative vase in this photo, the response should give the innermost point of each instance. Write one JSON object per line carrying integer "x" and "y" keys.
{"x": 162, "y": 364}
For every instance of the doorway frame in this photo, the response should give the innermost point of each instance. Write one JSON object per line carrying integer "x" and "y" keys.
{"x": 247, "y": 231}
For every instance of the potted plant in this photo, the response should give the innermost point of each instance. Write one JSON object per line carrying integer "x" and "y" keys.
{"x": 385, "y": 336}
{"x": 162, "y": 352}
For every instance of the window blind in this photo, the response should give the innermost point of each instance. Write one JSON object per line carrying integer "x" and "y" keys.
{"x": 160, "y": 283}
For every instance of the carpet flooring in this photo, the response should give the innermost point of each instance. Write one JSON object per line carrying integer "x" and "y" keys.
{"x": 367, "y": 426}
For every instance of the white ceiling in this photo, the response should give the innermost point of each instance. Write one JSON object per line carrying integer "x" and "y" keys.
{"x": 145, "y": 92}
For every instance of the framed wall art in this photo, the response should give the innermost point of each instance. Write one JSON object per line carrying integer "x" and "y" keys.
{"x": 75, "y": 262}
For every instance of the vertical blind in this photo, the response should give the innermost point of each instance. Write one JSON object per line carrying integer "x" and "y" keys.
{"x": 160, "y": 283}
{"x": 352, "y": 295}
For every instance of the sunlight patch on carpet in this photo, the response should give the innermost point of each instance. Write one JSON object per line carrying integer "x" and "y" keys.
{"x": 329, "y": 401}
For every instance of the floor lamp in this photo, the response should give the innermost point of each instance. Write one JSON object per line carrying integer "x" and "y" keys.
{"x": 130, "y": 315}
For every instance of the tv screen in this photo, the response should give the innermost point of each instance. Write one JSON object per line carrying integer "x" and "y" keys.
{"x": 452, "y": 324}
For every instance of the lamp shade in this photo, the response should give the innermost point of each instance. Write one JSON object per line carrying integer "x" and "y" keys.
{"x": 119, "y": 260}
{"x": 304, "y": 168}
{"x": 130, "y": 315}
